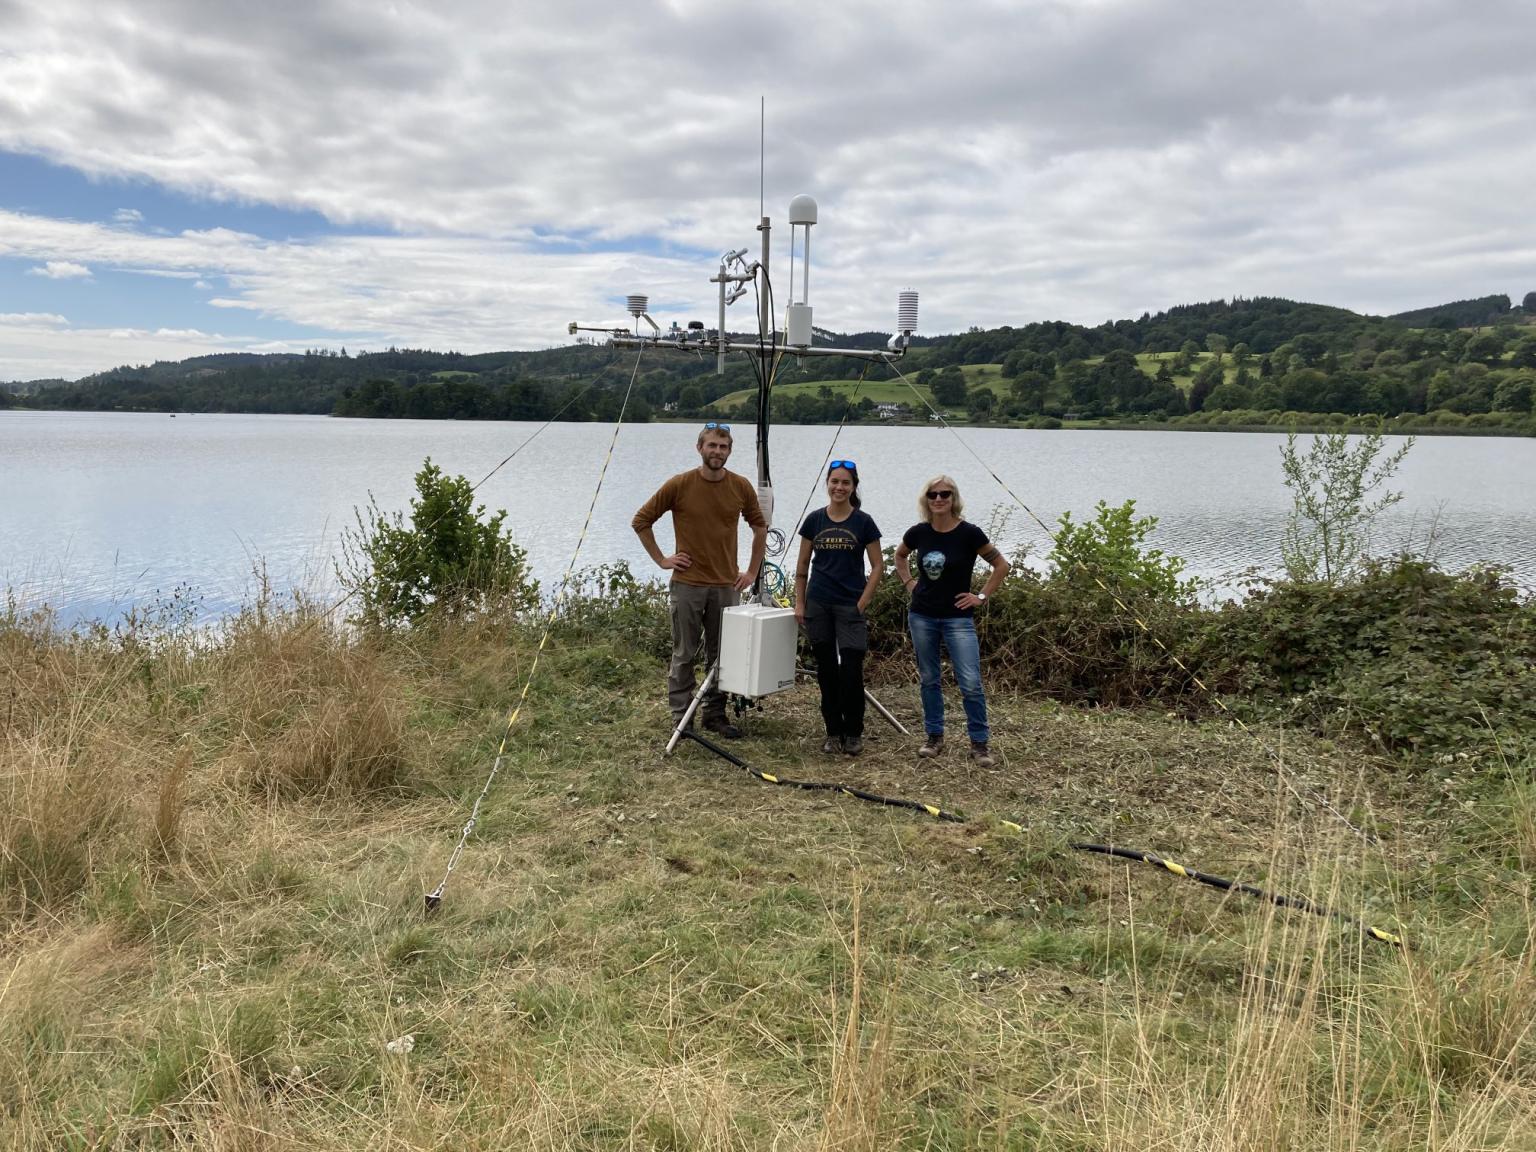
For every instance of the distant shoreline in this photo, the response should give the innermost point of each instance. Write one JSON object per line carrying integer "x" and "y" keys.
{"x": 1319, "y": 424}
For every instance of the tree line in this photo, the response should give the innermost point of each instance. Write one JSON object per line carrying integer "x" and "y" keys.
{"x": 1260, "y": 355}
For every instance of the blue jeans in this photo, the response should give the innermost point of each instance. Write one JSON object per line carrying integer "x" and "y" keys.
{"x": 958, "y": 635}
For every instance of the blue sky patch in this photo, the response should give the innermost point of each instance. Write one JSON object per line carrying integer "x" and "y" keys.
{"x": 31, "y": 185}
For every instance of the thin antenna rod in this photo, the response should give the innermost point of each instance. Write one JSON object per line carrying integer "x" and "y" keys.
{"x": 762, "y": 154}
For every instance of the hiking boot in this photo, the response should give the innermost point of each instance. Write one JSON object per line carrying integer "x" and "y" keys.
{"x": 720, "y": 726}
{"x": 832, "y": 745}
{"x": 853, "y": 745}
{"x": 932, "y": 746}
{"x": 981, "y": 754}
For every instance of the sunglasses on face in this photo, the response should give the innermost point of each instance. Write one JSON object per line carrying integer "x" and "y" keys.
{"x": 848, "y": 464}
{"x": 935, "y": 494}
{"x": 712, "y": 426}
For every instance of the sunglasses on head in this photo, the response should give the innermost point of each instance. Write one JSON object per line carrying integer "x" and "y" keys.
{"x": 848, "y": 464}
{"x": 940, "y": 494}
{"x": 712, "y": 425}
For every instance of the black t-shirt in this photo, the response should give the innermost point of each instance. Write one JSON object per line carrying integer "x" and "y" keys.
{"x": 942, "y": 563}
{"x": 837, "y": 555}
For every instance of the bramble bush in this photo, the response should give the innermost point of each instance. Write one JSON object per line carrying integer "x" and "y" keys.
{"x": 609, "y": 600}
{"x": 1415, "y": 659}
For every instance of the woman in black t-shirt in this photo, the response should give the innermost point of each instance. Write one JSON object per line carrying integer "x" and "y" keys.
{"x": 942, "y": 609}
{"x": 830, "y": 598}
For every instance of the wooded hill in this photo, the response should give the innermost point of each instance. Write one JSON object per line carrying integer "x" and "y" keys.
{"x": 1471, "y": 360}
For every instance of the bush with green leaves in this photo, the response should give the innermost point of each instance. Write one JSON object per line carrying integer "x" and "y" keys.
{"x": 449, "y": 558}
{"x": 1110, "y": 553}
{"x": 610, "y": 601}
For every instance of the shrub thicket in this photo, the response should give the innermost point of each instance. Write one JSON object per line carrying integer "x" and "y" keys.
{"x": 1416, "y": 658}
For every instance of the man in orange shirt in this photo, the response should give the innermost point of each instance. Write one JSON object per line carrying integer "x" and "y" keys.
{"x": 705, "y": 503}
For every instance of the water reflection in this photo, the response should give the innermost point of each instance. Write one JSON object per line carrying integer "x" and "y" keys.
{"x": 101, "y": 511}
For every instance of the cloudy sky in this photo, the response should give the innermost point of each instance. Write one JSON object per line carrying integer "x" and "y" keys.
{"x": 182, "y": 177}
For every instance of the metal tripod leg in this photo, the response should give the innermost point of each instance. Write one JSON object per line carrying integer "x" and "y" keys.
{"x": 870, "y": 696}
{"x": 693, "y": 705}
{"x": 881, "y": 708}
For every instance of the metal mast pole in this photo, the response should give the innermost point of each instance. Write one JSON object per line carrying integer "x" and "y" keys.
{"x": 765, "y": 357}
{"x": 765, "y": 351}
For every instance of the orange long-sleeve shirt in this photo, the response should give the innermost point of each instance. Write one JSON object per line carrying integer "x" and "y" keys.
{"x": 704, "y": 515}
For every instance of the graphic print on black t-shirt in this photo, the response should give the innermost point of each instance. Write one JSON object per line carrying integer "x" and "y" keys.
{"x": 944, "y": 562}
{"x": 837, "y": 555}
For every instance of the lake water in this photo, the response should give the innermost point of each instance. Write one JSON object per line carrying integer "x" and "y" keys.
{"x": 101, "y": 511}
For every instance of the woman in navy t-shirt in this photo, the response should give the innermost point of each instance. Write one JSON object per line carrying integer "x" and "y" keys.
{"x": 831, "y": 595}
{"x": 945, "y": 549}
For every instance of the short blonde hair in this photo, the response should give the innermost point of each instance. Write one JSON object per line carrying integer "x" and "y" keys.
{"x": 722, "y": 431}
{"x": 956, "y": 505}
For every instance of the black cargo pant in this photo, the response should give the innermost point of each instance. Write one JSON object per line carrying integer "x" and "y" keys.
{"x": 839, "y": 637}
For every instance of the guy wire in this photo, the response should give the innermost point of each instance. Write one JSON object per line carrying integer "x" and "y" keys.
{"x": 435, "y": 897}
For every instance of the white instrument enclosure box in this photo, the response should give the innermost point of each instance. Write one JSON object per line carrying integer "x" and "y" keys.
{"x": 757, "y": 649}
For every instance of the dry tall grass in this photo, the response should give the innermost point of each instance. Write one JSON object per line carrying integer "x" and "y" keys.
{"x": 213, "y": 848}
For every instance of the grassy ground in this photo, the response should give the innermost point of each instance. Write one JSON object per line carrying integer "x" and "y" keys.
{"x": 213, "y": 856}
{"x": 879, "y": 391}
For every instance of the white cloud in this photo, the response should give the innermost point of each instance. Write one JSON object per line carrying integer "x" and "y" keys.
{"x": 45, "y": 347}
{"x": 61, "y": 270}
{"x": 1014, "y": 160}
{"x": 128, "y": 216}
{"x": 31, "y": 319}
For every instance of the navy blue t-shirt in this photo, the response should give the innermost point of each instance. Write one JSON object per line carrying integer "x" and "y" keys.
{"x": 837, "y": 555}
{"x": 942, "y": 563}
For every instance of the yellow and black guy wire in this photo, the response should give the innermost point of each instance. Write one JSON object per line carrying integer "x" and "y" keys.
{"x": 1301, "y": 903}
{"x": 1280, "y": 769}
{"x": 435, "y": 897}
{"x": 824, "y": 785}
